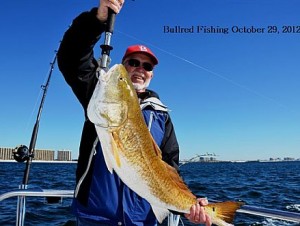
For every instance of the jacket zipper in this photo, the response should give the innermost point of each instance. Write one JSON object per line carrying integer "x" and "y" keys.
{"x": 93, "y": 152}
{"x": 152, "y": 116}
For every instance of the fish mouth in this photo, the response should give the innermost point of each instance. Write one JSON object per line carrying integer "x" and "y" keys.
{"x": 103, "y": 76}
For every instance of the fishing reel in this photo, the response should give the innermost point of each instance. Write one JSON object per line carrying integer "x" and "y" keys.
{"x": 21, "y": 153}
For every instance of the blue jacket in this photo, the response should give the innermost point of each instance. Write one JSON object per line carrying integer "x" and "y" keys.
{"x": 95, "y": 188}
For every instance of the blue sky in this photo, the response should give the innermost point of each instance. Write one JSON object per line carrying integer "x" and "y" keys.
{"x": 235, "y": 95}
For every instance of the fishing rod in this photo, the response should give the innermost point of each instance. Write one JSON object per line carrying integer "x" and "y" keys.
{"x": 106, "y": 47}
{"x": 22, "y": 153}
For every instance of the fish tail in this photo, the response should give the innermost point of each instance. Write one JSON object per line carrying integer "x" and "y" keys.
{"x": 224, "y": 210}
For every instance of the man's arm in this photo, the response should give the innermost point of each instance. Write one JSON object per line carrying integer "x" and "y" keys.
{"x": 76, "y": 57}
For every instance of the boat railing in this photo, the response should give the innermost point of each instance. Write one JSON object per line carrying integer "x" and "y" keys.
{"x": 38, "y": 193}
{"x": 173, "y": 220}
{"x": 52, "y": 196}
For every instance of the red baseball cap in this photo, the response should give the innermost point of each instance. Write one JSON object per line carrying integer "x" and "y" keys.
{"x": 140, "y": 49}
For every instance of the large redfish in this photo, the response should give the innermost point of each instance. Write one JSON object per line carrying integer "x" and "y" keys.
{"x": 130, "y": 150}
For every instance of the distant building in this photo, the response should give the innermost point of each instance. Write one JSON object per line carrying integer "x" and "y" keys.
{"x": 39, "y": 154}
{"x": 275, "y": 159}
{"x": 44, "y": 155}
{"x": 6, "y": 153}
{"x": 208, "y": 157}
{"x": 289, "y": 159}
{"x": 64, "y": 155}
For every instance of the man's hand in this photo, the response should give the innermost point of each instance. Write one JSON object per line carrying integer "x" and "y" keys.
{"x": 115, "y": 5}
{"x": 197, "y": 213}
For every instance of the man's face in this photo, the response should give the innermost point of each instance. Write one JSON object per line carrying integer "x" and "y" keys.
{"x": 140, "y": 70}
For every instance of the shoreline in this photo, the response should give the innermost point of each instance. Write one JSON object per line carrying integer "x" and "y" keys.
{"x": 182, "y": 162}
{"x": 40, "y": 161}
{"x": 240, "y": 161}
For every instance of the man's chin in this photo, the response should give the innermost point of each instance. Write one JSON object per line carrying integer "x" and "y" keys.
{"x": 139, "y": 87}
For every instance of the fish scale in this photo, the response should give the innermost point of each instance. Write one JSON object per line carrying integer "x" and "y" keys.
{"x": 138, "y": 159}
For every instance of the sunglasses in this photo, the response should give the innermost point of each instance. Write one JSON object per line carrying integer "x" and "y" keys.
{"x": 137, "y": 63}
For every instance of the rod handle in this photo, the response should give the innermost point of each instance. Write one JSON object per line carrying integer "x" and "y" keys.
{"x": 110, "y": 21}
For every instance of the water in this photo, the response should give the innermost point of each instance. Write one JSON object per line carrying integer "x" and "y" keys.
{"x": 42, "y": 175}
{"x": 273, "y": 185}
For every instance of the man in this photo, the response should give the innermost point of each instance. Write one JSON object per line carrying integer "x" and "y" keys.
{"x": 102, "y": 198}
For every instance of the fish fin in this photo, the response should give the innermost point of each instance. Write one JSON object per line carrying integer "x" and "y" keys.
{"x": 172, "y": 172}
{"x": 160, "y": 213}
{"x": 106, "y": 144}
{"x": 156, "y": 148}
{"x": 224, "y": 210}
{"x": 116, "y": 145}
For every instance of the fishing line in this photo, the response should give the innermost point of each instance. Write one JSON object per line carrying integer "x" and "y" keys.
{"x": 34, "y": 109}
{"x": 252, "y": 91}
